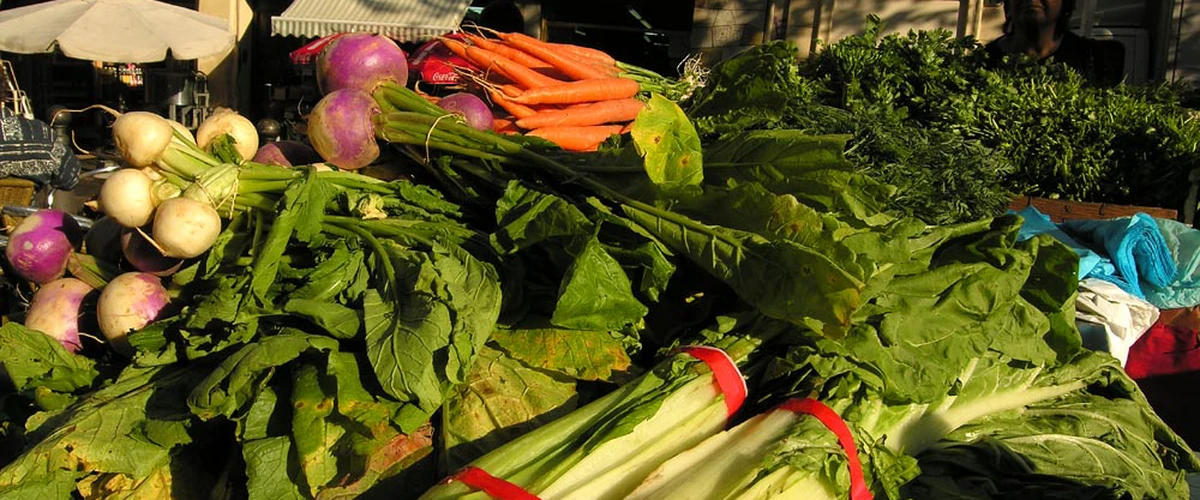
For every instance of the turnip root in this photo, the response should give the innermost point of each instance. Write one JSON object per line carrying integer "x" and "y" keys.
{"x": 182, "y": 130}
{"x": 469, "y": 106}
{"x": 128, "y": 197}
{"x": 286, "y": 154}
{"x": 142, "y": 137}
{"x": 54, "y": 310}
{"x": 361, "y": 61}
{"x": 103, "y": 240}
{"x": 341, "y": 130}
{"x": 227, "y": 121}
{"x": 129, "y": 303}
{"x": 41, "y": 244}
{"x": 185, "y": 228}
{"x": 145, "y": 257}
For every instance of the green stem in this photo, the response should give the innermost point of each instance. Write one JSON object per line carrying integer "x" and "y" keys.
{"x": 399, "y": 137}
{"x": 402, "y": 98}
{"x": 355, "y": 230}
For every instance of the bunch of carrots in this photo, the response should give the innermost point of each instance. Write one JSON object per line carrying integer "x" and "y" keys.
{"x": 573, "y": 96}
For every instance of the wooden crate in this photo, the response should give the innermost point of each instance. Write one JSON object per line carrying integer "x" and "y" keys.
{"x": 15, "y": 191}
{"x": 1061, "y": 210}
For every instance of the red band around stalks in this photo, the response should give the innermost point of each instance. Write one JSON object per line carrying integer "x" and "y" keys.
{"x": 832, "y": 421}
{"x": 725, "y": 373}
{"x": 495, "y": 487}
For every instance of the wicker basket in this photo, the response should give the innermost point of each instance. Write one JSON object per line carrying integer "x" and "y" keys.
{"x": 16, "y": 191}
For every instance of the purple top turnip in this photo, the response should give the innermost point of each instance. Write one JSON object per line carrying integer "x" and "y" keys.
{"x": 54, "y": 310}
{"x": 341, "y": 130}
{"x": 145, "y": 257}
{"x": 128, "y": 303}
{"x": 469, "y": 106}
{"x": 361, "y": 61}
{"x": 41, "y": 244}
{"x": 286, "y": 154}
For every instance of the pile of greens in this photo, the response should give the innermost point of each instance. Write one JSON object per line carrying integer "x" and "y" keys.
{"x": 366, "y": 339}
{"x": 1050, "y": 132}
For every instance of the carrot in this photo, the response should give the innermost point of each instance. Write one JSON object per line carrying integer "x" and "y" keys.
{"x": 598, "y": 113}
{"x": 504, "y": 126}
{"x": 591, "y": 90}
{"x": 541, "y": 50}
{"x": 596, "y": 56}
{"x": 517, "y": 55}
{"x": 576, "y": 138}
{"x": 517, "y": 110}
{"x": 488, "y": 60}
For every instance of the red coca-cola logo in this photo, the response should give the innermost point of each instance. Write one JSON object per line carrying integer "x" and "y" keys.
{"x": 435, "y": 64}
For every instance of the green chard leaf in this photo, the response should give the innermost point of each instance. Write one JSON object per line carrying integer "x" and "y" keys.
{"x": 596, "y": 294}
{"x": 129, "y": 427}
{"x": 579, "y": 354}
{"x": 447, "y": 303}
{"x": 236, "y": 382}
{"x": 669, "y": 144}
{"x": 783, "y": 279}
{"x": 313, "y": 433}
{"x": 33, "y": 359}
{"x": 527, "y": 217}
{"x": 339, "y": 321}
{"x": 268, "y": 469}
{"x": 502, "y": 399}
{"x": 293, "y": 209}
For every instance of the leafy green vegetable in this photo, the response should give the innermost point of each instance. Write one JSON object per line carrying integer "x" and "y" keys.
{"x": 35, "y": 360}
{"x": 596, "y": 294}
{"x": 237, "y": 380}
{"x": 579, "y": 354}
{"x": 501, "y": 399}
{"x": 668, "y": 142}
{"x": 449, "y": 303}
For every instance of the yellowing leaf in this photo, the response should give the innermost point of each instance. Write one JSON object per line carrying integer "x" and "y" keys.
{"x": 668, "y": 143}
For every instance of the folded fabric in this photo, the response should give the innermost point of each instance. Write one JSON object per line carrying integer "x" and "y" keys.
{"x": 1184, "y": 243}
{"x": 1122, "y": 317}
{"x": 1038, "y": 223}
{"x": 1134, "y": 245}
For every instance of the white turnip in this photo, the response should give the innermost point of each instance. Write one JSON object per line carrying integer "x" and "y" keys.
{"x": 185, "y": 228}
{"x": 227, "y": 121}
{"x": 54, "y": 310}
{"x": 128, "y": 303}
{"x": 142, "y": 137}
{"x": 41, "y": 244}
{"x": 128, "y": 197}
{"x": 341, "y": 129}
{"x": 361, "y": 61}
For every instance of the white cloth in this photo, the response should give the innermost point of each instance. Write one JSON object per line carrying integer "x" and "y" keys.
{"x": 1125, "y": 318}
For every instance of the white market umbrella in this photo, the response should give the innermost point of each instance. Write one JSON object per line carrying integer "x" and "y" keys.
{"x": 131, "y": 31}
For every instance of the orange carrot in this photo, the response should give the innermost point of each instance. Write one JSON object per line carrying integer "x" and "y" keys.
{"x": 539, "y": 49}
{"x": 517, "y": 55}
{"x": 596, "y": 56}
{"x": 576, "y": 138}
{"x": 504, "y": 126}
{"x": 598, "y": 113}
{"x": 487, "y": 60}
{"x": 591, "y": 90}
{"x": 517, "y": 110}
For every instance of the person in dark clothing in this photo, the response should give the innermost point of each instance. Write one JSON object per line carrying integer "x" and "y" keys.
{"x": 1039, "y": 29}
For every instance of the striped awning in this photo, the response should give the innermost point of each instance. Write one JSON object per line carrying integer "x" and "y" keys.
{"x": 402, "y": 20}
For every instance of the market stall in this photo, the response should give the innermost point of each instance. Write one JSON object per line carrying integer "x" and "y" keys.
{"x": 580, "y": 278}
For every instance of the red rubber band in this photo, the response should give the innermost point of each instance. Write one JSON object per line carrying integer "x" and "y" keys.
{"x": 832, "y": 421}
{"x": 495, "y": 487}
{"x": 725, "y": 372}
